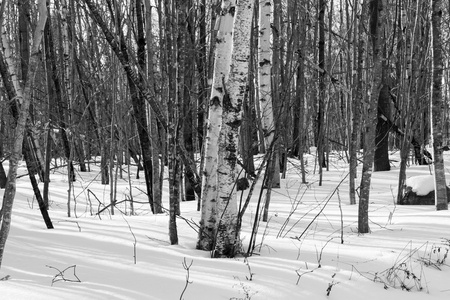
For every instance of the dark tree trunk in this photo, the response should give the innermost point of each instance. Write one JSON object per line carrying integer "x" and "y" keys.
{"x": 139, "y": 108}
{"x": 3, "y": 177}
{"x": 37, "y": 193}
{"x": 321, "y": 99}
{"x": 381, "y": 160}
{"x": 201, "y": 62}
{"x": 24, "y": 16}
{"x": 186, "y": 39}
{"x": 61, "y": 124}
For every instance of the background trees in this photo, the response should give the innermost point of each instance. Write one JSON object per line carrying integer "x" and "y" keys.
{"x": 145, "y": 82}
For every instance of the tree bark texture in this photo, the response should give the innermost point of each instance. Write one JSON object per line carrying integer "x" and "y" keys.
{"x": 381, "y": 160}
{"x": 265, "y": 90}
{"x": 227, "y": 241}
{"x": 377, "y": 21}
{"x": 223, "y": 48}
{"x": 437, "y": 107}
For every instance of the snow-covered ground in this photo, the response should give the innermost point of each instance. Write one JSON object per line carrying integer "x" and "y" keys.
{"x": 309, "y": 249}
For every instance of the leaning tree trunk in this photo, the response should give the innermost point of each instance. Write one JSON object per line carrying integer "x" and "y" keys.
{"x": 27, "y": 142}
{"x": 19, "y": 131}
{"x": 437, "y": 107}
{"x": 208, "y": 221}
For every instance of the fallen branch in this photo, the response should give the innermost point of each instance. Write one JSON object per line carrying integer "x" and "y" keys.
{"x": 60, "y": 276}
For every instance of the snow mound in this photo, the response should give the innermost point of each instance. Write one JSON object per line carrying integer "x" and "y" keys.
{"x": 421, "y": 185}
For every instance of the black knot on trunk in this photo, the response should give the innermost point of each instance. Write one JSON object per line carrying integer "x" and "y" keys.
{"x": 242, "y": 184}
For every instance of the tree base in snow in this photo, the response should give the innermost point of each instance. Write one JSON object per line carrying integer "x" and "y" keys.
{"x": 411, "y": 198}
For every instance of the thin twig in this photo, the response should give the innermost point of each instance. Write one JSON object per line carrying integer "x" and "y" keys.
{"x": 188, "y": 282}
{"x": 134, "y": 237}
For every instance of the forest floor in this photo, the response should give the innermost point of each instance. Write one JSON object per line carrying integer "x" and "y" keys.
{"x": 310, "y": 247}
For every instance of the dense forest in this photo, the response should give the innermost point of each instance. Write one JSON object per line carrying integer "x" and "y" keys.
{"x": 197, "y": 88}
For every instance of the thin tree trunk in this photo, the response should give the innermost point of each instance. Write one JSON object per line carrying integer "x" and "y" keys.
{"x": 140, "y": 110}
{"x": 377, "y": 14}
{"x": 201, "y": 63}
{"x": 156, "y": 144}
{"x": 356, "y": 105}
{"x": 322, "y": 93}
{"x": 173, "y": 115}
{"x": 265, "y": 91}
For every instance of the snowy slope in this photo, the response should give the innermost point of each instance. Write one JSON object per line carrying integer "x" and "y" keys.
{"x": 299, "y": 252}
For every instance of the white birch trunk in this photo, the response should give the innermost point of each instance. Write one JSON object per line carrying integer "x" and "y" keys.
{"x": 24, "y": 99}
{"x": 264, "y": 72}
{"x": 208, "y": 222}
{"x": 265, "y": 55}
{"x": 437, "y": 108}
{"x": 10, "y": 61}
{"x": 67, "y": 62}
{"x": 227, "y": 241}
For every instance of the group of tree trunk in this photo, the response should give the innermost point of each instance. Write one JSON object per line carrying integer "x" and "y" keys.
{"x": 199, "y": 87}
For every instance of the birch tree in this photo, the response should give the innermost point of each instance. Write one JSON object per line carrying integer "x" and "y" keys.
{"x": 265, "y": 95}
{"x": 227, "y": 242}
{"x": 24, "y": 100}
{"x": 208, "y": 221}
{"x": 437, "y": 107}
{"x": 264, "y": 72}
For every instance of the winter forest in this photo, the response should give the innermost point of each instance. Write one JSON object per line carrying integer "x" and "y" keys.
{"x": 224, "y": 149}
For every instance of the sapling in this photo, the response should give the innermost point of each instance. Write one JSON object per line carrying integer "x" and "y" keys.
{"x": 331, "y": 284}
{"x": 250, "y": 277}
{"x": 134, "y": 239}
{"x": 187, "y": 267}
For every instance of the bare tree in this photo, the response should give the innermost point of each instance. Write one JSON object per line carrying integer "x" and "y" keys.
{"x": 377, "y": 23}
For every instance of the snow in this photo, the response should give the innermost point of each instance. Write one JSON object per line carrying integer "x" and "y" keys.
{"x": 299, "y": 253}
{"x": 421, "y": 185}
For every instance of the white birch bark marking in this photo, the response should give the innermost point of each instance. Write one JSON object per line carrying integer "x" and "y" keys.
{"x": 208, "y": 224}
{"x": 226, "y": 242}
{"x": 264, "y": 71}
